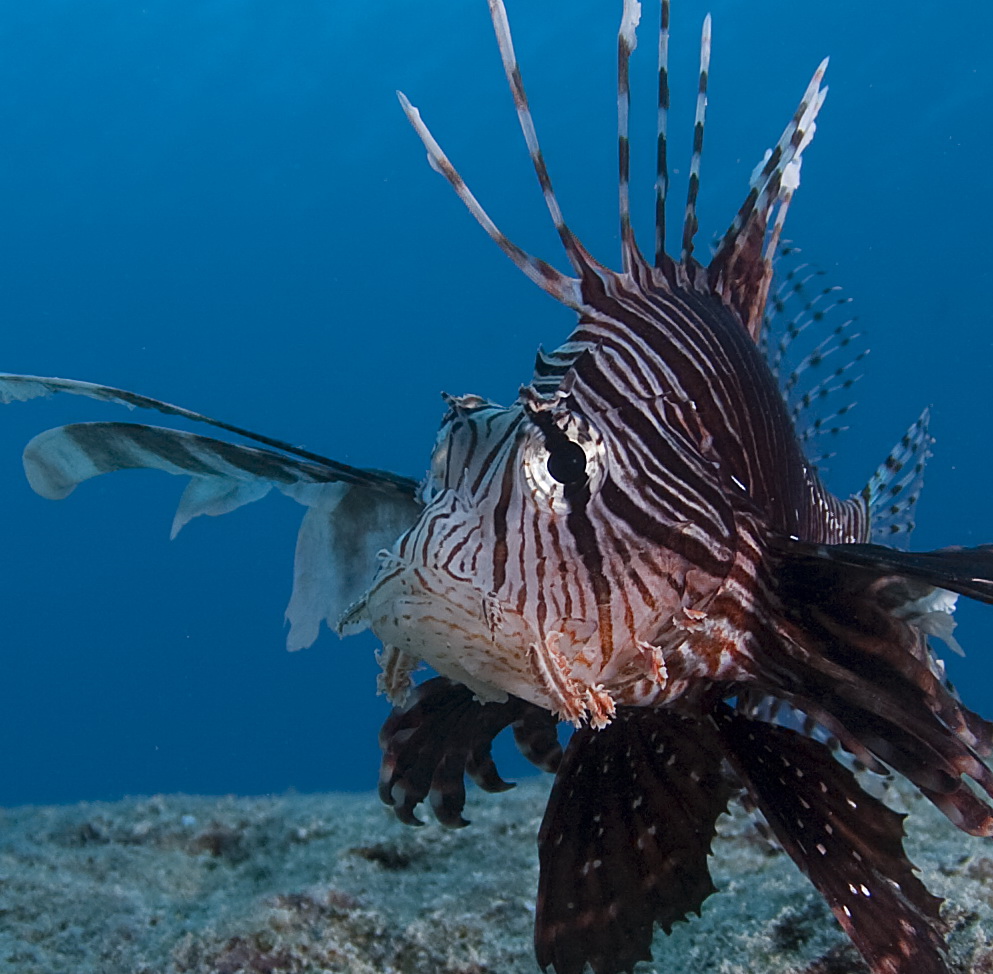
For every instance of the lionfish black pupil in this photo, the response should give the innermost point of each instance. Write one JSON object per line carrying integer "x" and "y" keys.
{"x": 566, "y": 461}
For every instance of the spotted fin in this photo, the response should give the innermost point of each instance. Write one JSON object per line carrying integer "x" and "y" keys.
{"x": 625, "y": 839}
{"x": 443, "y": 734}
{"x": 814, "y": 346}
{"x": 848, "y": 843}
{"x": 893, "y": 490}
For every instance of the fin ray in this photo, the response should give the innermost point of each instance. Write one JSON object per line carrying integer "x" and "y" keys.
{"x": 626, "y": 43}
{"x": 894, "y": 489}
{"x": 560, "y": 286}
{"x": 443, "y": 733}
{"x": 661, "y": 137}
{"x": 848, "y": 843}
{"x": 741, "y": 269}
{"x": 690, "y": 223}
{"x": 20, "y": 388}
{"x": 575, "y": 251}
{"x": 625, "y": 839}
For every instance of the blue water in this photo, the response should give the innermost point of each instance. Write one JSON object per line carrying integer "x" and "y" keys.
{"x": 221, "y": 204}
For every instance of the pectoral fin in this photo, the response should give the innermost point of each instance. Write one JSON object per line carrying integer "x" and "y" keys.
{"x": 346, "y": 524}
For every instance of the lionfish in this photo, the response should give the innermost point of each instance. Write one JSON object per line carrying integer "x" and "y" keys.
{"x": 638, "y": 546}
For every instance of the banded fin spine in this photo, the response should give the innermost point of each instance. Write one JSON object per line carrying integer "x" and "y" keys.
{"x": 894, "y": 489}
{"x": 741, "y": 269}
{"x": 690, "y": 223}
{"x": 661, "y": 139}
{"x": 560, "y": 286}
{"x": 811, "y": 376}
{"x": 577, "y": 254}
{"x": 838, "y": 380}
{"x": 789, "y": 286}
{"x": 627, "y": 40}
{"x": 839, "y": 338}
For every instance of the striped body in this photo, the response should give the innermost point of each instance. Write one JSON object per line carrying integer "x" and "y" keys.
{"x": 641, "y": 578}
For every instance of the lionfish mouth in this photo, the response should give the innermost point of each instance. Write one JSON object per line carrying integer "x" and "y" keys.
{"x": 427, "y": 615}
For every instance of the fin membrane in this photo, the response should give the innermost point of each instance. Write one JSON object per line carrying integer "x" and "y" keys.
{"x": 967, "y": 571}
{"x": 625, "y": 839}
{"x": 349, "y": 519}
{"x": 852, "y": 658}
{"x": 60, "y": 459}
{"x": 20, "y": 388}
{"x": 445, "y": 733}
{"x": 848, "y": 843}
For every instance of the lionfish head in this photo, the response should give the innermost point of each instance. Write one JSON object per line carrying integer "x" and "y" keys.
{"x": 515, "y": 577}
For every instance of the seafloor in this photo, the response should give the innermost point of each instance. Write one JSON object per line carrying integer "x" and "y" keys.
{"x": 312, "y": 883}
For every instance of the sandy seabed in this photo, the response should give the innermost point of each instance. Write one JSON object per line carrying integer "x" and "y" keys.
{"x": 179, "y": 884}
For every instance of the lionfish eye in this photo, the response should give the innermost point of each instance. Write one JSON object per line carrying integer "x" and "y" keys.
{"x": 566, "y": 461}
{"x": 563, "y": 459}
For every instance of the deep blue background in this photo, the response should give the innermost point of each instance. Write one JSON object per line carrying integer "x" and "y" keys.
{"x": 221, "y": 204}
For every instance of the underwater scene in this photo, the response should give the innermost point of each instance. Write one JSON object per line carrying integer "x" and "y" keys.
{"x": 221, "y": 205}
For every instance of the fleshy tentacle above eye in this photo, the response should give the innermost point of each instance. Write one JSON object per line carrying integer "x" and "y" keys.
{"x": 442, "y": 734}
